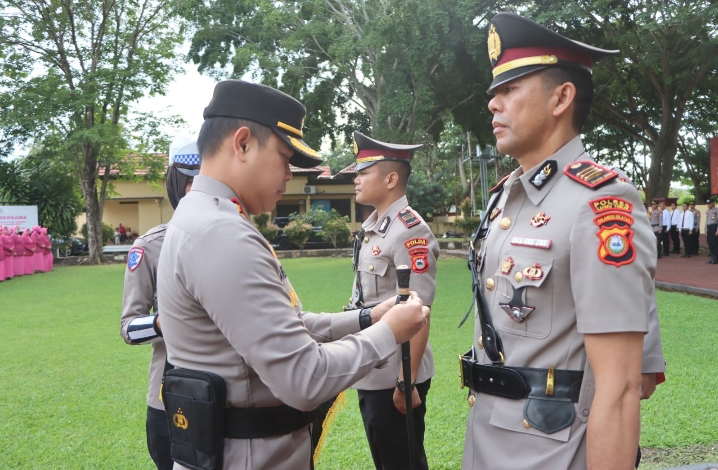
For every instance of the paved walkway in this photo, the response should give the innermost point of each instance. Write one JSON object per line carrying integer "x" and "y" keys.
{"x": 688, "y": 274}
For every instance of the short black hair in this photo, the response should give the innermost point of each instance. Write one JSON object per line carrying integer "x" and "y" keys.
{"x": 215, "y": 129}
{"x": 555, "y": 76}
{"x": 402, "y": 169}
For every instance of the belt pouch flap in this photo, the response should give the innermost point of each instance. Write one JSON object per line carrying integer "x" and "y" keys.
{"x": 195, "y": 402}
{"x": 549, "y": 415}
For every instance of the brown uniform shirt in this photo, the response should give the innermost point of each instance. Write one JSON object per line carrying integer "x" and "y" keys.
{"x": 656, "y": 220}
{"x": 397, "y": 237}
{"x": 711, "y": 217}
{"x": 584, "y": 272}
{"x": 229, "y": 308}
{"x": 139, "y": 298}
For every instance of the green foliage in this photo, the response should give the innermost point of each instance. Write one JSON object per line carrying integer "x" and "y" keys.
{"x": 269, "y": 232}
{"x": 298, "y": 232}
{"x": 87, "y": 390}
{"x": 425, "y": 196}
{"x": 261, "y": 220}
{"x": 465, "y": 208}
{"x": 467, "y": 225}
{"x": 108, "y": 233}
{"x": 336, "y": 231}
{"x": 33, "y": 181}
{"x": 317, "y": 217}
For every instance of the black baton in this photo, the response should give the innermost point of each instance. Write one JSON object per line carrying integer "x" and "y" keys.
{"x": 403, "y": 273}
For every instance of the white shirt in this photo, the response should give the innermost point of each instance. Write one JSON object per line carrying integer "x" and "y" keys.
{"x": 686, "y": 221}
{"x": 676, "y": 217}
{"x": 666, "y": 219}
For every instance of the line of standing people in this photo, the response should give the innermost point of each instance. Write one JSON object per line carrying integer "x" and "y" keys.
{"x": 674, "y": 225}
{"x": 24, "y": 252}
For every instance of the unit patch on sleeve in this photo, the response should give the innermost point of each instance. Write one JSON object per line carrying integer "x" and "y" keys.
{"x": 416, "y": 242}
{"x": 615, "y": 238}
{"x": 134, "y": 257}
{"x": 610, "y": 203}
{"x": 419, "y": 260}
{"x": 409, "y": 218}
{"x": 589, "y": 173}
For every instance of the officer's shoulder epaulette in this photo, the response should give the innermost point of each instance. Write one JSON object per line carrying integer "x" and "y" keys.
{"x": 409, "y": 217}
{"x": 589, "y": 173}
{"x": 154, "y": 232}
{"x": 500, "y": 184}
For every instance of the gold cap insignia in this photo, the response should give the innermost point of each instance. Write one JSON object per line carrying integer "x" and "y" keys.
{"x": 179, "y": 419}
{"x": 356, "y": 147}
{"x": 494, "y": 43}
{"x": 298, "y": 144}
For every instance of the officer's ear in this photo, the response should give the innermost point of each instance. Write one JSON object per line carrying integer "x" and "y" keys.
{"x": 240, "y": 141}
{"x": 392, "y": 179}
{"x": 564, "y": 97}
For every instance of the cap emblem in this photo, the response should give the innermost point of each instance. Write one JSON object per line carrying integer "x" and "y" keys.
{"x": 356, "y": 147}
{"x": 298, "y": 144}
{"x": 494, "y": 45}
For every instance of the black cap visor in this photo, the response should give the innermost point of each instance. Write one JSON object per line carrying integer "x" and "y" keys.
{"x": 304, "y": 156}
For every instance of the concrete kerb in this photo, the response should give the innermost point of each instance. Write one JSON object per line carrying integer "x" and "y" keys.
{"x": 687, "y": 289}
{"x": 700, "y": 466}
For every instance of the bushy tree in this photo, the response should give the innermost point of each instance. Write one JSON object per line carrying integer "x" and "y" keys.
{"x": 336, "y": 229}
{"x": 298, "y": 232}
{"x": 268, "y": 231}
{"x": 108, "y": 233}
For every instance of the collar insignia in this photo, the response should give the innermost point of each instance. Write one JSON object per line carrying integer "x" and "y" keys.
{"x": 547, "y": 171}
{"x": 384, "y": 224}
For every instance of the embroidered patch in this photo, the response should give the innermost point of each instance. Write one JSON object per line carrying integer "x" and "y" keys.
{"x": 375, "y": 250}
{"x": 416, "y": 242}
{"x": 589, "y": 174}
{"x": 534, "y": 272}
{"x": 540, "y": 219}
{"x": 543, "y": 174}
{"x": 494, "y": 213}
{"x": 239, "y": 207}
{"x": 419, "y": 260}
{"x": 382, "y": 228}
{"x": 621, "y": 217}
{"x": 616, "y": 238}
{"x": 293, "y": 297}
{"x": 610, "y": 203}
{"x": 134, "y": 257}
{"x": 499, "y": 185}
{"x": 531, "y": 242}
{"x": 409, "y": 218}
{"x": 507, "y": 265}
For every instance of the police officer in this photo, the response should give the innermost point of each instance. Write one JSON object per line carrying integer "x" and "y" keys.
{"x": 666, "y": 227}
{"x": 393, "y": 235}
{"x": 712, "y": 230}
{"x": 140, "y": 322}
{"x": 695, "y": 235}
{"x": 559, "y": 332}
{"x": 675, "y": 231}
{"x": 229, "y": 313}
{"x": 656, "y": 216}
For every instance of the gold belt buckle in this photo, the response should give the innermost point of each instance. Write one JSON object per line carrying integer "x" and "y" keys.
{"x": 461, "y": 371}
{"x": 549, "y": 381}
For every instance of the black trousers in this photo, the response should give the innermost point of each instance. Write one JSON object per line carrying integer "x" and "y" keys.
{"x": 675, "y": 238}
{"x": 664, "y": 241}
{"x": 158, "y": 438}
{"x": 687, "y": 242}
{"x": 658, "y": 243}
{"x": 386, "y": 429}
{"x": 712, "y": 241}
{"x": 695, "y": 241}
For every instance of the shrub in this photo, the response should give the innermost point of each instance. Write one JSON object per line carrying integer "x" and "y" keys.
{"x": 269, "y": 232}
{"x": 298, "y": 232}
{"x": 468, "y": 225}
{"x": 261, "y": 220}
{"x": 108, "y": 233}
{"x": 336, "y": 231}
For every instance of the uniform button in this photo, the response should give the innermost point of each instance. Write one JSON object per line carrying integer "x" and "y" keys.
{"x": 490, "y": 284}
{"x": 371, "y": 268}
{"x": 471, "y": 400}
{"x": 526, "y": 424}
{"x": 505, "y": 223}
{"x": 366, "y": 239}
{"x": 518, "y": 277}
{"x": 584, "y": 411}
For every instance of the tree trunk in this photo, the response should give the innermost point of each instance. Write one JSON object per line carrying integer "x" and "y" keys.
{"x": 663, "y": 157}
{"x": 93, "y": 208}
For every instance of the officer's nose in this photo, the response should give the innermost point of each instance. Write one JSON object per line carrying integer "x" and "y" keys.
{"x": 494, "y": 105}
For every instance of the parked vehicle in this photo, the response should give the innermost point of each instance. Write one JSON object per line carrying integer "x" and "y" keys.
{"x": 70, "y": 246}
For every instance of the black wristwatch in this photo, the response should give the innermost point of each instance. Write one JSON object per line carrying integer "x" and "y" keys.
{"x": 402, "y": 387}
{"x": 364, "y": 318}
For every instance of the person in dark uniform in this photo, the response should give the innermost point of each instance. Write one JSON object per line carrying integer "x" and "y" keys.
{"x": 140, "y": 322}
{"x": 666, "y": 228}
{"x": 695, "y": 236}
{"x": 712, "y": 230}
{"x": 675, "y": 231}
{"x": 393, "y": 235}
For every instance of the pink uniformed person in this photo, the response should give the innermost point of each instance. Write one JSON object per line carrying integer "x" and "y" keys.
{"x": 48, "y": 260}
{"x": 18, "y": 249}
{"x": 6, "y": 245}
{"x": 2, "y": 262}
{"x": 27, "y": 254}
{"x": 38, "y": 264}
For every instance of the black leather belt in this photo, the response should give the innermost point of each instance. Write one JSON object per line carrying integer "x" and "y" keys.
{"x": 520, "y": 382}
{"x": 712, "y": 225}
{"x": 255, "y": 423}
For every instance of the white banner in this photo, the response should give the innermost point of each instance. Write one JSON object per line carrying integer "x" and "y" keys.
{"x": 22, "y": 216}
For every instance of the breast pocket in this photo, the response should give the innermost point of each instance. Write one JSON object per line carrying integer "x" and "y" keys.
{"x": 372, "y": 271}
{"x": 525, "y": 295}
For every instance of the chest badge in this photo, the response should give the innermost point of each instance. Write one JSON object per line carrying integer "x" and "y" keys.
{"x": 507, "y": 265}
{"x": 384, "y": 225}
{"x": 534, "y": 272}
{"x": 540, "y": 219}
{"x": 375, "y": 250}
{"x": 516, "y": 309}
{"x": 494, "y": 213}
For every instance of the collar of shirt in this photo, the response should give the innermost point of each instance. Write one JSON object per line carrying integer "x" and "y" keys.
{"x": 373, "y": 223}
{"x": 570, "y": 152}
{"x": 213, "y": 187}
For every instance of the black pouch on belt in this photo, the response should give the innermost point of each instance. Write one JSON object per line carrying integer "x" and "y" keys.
{"x": 195, "y": 402}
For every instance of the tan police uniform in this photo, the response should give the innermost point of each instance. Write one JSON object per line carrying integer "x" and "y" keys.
{"x": 696, "y": 229}
{"x": 711, "y": 230}
{"x": 656, "y": 217}
{"x": 229, "y": 308}
{"x": 569, "y": 259}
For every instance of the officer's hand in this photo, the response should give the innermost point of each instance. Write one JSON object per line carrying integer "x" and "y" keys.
{"x": 378, "y": 311}
{"x": 407, "y": 319}
{"x": 400, "y": 400}
{"x": 648, "y": 385}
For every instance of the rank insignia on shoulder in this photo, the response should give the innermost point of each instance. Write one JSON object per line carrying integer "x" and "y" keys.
{"x": 409, "y": 218}
{"x": 499, "y": 185}
{"x": 134, "y": 257}
{"x": 540, "y": 219}
{"x": 589, "y": 173}
{"x": 543, "y": 174}
{"x": 384, "y": 225}
{"x": 375, "y": 250}
{"x": 239, "y": 207}
{"x": 494, "y": 213}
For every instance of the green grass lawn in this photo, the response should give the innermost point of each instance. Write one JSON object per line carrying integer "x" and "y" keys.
{"x": 72, "y": 393}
